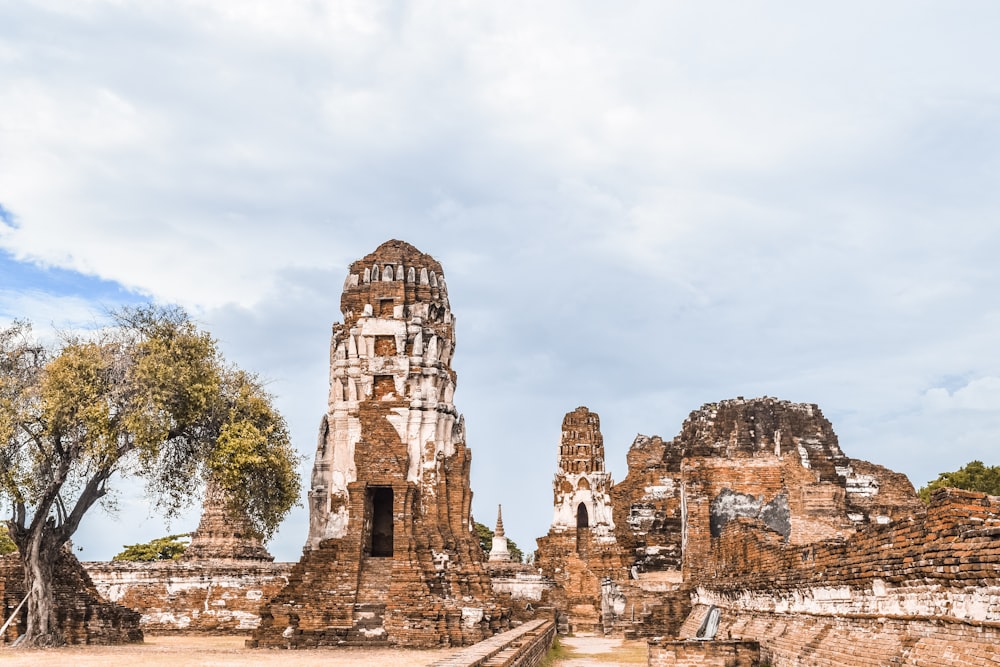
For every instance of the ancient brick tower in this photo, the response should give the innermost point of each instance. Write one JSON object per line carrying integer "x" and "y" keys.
{"x": 582, "y": 487}
{"x": 391, "y": 556}
{"x": 580, "y": 551}
{"x": 222, "y": 535}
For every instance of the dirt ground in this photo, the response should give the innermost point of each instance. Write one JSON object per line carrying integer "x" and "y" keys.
{"x": 589, "y": 650}
{"x": 198, "y": 651}
{"x": 174, "y": 651}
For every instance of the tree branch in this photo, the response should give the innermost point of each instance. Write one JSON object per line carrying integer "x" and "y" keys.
{"x": 92, "y": 492}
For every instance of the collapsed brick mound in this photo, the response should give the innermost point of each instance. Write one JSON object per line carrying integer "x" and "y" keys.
{"x": 82, "y": 615}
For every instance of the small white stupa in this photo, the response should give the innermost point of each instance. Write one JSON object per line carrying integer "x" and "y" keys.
{"x": 499, "y": 552}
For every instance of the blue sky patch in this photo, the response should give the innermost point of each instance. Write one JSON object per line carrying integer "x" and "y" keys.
{"x": 16, "y": 275}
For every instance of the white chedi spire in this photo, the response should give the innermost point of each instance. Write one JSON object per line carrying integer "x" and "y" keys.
{"x": 499, "y": 551}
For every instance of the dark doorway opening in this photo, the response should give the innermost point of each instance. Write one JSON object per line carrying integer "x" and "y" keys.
{"x": 380, "y": 538}
{"x": 582, "y": 518}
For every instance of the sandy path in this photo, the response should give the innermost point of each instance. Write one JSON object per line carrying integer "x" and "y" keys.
{"x": 175, "y": 651}
{"x": 590, "y": 650}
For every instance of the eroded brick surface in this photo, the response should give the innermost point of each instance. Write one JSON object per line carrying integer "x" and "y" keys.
{"x": 222, "y": 534}
{"x": 390, "y": 557}
{"x": 84, "y": 616}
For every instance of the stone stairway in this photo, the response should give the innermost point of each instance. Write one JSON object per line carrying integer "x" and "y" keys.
{"x": 369, "y": 608}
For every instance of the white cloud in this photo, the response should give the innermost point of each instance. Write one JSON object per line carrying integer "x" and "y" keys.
{"x": 979, "y": 394}
{"x": 639, "y": 207}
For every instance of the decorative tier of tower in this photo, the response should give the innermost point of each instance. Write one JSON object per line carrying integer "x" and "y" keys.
{"x": 391, "y": 556}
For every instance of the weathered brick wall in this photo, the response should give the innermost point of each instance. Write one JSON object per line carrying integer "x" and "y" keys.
{"x": 216, "y": 597}
{"x": 704, "y": 654}
{"x": 84, "y": 617}
{"x": 798, "y": 640}
{"x": 647, "y": 506}
{"x": 923, "y": 590}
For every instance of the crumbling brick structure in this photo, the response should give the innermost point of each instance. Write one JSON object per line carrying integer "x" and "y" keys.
{"x": 581, "y": 553}
{"x": 84, "y": 617}
{"x": 391, "y": 557}
{"x": 773, "y": 462}
{"x": 222, "y": 534}
{"x": 920, "y": 590}
{"x": 215, "y": 596}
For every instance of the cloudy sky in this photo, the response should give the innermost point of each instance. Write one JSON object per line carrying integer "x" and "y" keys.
{"x": 640, "y": 207}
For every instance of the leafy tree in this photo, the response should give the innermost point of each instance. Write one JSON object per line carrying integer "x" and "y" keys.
{"x": 973, "y": 476}
{"x": 485, "y": 535}
{"x": 170, "y": 547}
{"x": 149, "y": 398}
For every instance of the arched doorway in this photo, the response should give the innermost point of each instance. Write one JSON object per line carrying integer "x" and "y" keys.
{"x": 582, "y": 517}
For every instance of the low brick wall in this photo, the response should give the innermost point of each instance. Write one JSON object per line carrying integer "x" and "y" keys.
{"x": 524, "y": 646}
{"x": 703, "y": 654}
{"x": 213, "y": 596}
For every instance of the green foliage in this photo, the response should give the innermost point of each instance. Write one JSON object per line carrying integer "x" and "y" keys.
{"x": 7, "y": 545}
{"x": 485, "y": 536}
{"x": 253, "y": 460}
{"x": 150, "y": 398}
{"x": 973, "y": 476}
{"x": 170, "y": 547}
{"x": 556, "y": 654}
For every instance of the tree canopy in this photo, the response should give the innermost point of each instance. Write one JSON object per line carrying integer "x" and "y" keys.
{"x": 7, "y": 545}
{"x": 170, "y": 547}
{"x": 149, "y": 398}
{"x": 973, "y": 476}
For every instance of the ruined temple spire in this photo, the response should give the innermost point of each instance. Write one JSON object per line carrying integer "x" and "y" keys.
{"x": 499, "y": 530}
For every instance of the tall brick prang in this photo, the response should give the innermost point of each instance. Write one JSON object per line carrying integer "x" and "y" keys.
{"x": 391, "y": 557}
{"x": 580, "y": 552}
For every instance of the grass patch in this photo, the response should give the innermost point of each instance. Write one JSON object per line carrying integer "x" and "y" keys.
{"x": 556, "y": 653}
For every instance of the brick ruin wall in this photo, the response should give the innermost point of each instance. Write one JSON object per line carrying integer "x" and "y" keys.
{"x": 922, "y": 590}
{"x": 212, "y": 597}
{"x": 822, "y": 559}
{"x": 703, "y": 654}
{"x": 84, "y": 617}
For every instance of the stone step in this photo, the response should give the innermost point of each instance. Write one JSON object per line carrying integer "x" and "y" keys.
{"x": 369, "y": 626}
{"x": 373, "y": 584}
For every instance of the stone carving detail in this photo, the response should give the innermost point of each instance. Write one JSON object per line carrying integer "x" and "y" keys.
{"x": 391, "y": 557}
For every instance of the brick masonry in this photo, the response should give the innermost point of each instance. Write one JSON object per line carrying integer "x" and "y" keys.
{"x": 84, "y": 616}
{"x": 523, "y": 646}
{"x": 703, "y": 654}
{"x": 391, "y": 557}
{"x": 208, "y": 596}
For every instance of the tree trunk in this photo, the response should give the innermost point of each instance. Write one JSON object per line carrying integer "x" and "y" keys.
{"x": 39, "y": 561}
